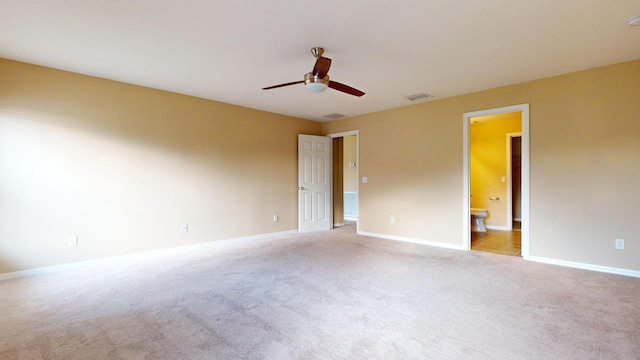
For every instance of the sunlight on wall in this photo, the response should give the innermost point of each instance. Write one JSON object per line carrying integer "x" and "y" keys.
{"x": 122, "y": 167}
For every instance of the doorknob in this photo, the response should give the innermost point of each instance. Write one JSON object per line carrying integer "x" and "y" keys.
{"x": 302, "y": 188}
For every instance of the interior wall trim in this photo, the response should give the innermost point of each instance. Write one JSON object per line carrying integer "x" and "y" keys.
{"x": 576, "y": 265}
{"x": 497, "y": 227}
{"x": 466, "y": 201}
{"x": 414, "y": 241}
{"x": 141, "y": 255}
{"x": 355, "y": 133}
{"x": 583, "y": 266}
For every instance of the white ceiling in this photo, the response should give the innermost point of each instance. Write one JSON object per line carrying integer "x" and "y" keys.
{"x": 227, "y": 50}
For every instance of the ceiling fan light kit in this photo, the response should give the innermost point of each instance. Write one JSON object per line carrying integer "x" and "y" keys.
{"x": 315, "y": 84}
{"x": 318, "y": 79}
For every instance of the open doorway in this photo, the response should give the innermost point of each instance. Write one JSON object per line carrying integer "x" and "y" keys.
{"x": 345, "y": 178}
{"x": 488, "y": 183}
{"x": 492, "y": 177}
{"x": 514, "y": 183}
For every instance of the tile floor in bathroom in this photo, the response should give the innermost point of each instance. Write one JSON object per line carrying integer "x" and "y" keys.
{"x": 497, "y": 241}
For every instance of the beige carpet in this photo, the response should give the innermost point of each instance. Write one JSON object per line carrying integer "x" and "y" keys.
{"x": 331, "y": 295}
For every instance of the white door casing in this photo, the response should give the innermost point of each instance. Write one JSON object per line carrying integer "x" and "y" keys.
{"x": 355, "y": 133}
{"x": 466, "y": 203}
{"x": 315, "y": 172}
{"x": 509, "y": 175}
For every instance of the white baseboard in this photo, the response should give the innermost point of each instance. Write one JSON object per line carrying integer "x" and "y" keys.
{"x": 497, "y": 227}
{"x": 415, "y": 241}
{"x": 598, "y": 268}
{"x": 177, "y": 249}
{"x": 166, "y": 251}
{"x": 338, "y": 224}
{"x": 352, "y": 218}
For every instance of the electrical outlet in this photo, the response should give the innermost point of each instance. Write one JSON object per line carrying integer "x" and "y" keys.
{"x": 185, "y": 227}
{"x": 275, "y": 218}
{"x": 392, "y": 220}
{"x": 620, "y": 244}
{"x": 72, "y": 241}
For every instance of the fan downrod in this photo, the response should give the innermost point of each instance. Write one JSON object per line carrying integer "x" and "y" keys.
{"x": 317, "y": 51}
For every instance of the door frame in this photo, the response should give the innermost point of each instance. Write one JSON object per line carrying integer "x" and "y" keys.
{"x": 466, "y": 201}
{"x": 509, "y": 176}
{"x": 357, "y": 135}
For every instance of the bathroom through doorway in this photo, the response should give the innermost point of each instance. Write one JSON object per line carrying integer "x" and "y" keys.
{"x": 495, "y": 148}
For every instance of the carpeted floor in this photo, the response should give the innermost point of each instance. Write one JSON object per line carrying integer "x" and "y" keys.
{"x": 331, "y": 295}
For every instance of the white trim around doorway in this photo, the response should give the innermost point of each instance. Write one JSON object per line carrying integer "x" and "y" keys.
{"x": 466, "y": 201}
{"x": 355, "y": 133}
{"x": 509, "y": 178}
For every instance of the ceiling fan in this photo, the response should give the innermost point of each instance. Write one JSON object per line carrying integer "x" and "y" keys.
{"x": 318, "y": 80}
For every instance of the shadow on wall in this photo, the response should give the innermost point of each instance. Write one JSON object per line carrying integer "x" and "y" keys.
{"x": 6, "y": 266}
{"x": 123, "y": 167}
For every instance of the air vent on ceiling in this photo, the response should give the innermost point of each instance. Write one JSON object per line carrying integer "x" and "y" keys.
{"x": 421, "y": 96}
{"x": 333, "y": 116}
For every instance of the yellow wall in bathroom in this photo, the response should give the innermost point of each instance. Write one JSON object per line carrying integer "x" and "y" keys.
{"x": 488, "y": 163}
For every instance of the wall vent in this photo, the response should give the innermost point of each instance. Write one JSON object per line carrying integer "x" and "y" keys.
{"x": 334, "y": 116}
{"x": 419, "y": 96}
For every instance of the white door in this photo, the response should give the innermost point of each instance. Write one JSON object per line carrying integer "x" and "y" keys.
{"x": 315, "y": 165}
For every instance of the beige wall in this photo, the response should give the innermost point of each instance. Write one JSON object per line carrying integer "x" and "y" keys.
{"x": 584, "y": 153}
{"x": 488, "y": 164}
{"x": 350, "y": 173}
{"x": 122, "y": 167}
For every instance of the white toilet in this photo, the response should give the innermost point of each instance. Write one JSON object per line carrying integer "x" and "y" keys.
{"x": 477, "y": 219}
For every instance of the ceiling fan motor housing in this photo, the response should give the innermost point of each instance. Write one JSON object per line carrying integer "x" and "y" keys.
{"x": 309, "y": 78}
{"x": 315, "y": 83}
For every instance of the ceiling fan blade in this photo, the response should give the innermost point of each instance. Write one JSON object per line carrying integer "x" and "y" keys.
{"x": 345, "y": 88}
{"x": 321, "y": 68}
{"x": 285, "y": 84}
